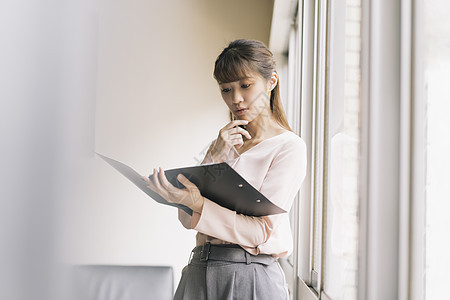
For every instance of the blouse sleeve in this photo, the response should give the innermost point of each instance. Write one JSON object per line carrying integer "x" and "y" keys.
{"x": 280, "y": 185}
{"x": 208, "y": 158}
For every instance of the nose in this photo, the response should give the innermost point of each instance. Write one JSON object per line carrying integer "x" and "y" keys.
{"x": 237, "y": 97}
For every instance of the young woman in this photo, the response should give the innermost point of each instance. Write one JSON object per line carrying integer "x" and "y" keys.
{"x": 236, "y": 255}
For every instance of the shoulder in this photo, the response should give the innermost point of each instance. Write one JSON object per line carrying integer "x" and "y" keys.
{"x": 289, "y": 160}
{"x": 289, "y": 150}
{"x": 293, "y": 142}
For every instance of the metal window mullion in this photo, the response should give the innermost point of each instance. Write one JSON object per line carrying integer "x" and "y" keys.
{"x": 379, "y": 201}
{"x": 314, "y": 155}
{"x": 307, "y": 128}
{"x": 320, "y": 172}
{"x": 364, "y": 151}
{"x": 295, "y": 100}
{"x": 418, "y": 156}
{"x": 405, "y": 150}
{"x": 298, "y": 67}
{"x": 324, "y": 100}
{"x": 323, "y": 4}
{"x": 296, "y": 38}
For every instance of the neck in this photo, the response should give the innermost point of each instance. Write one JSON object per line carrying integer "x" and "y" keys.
{"x": 262, "y": 126}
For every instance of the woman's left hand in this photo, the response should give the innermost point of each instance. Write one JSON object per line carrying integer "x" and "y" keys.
{"x": 189, "y": 196}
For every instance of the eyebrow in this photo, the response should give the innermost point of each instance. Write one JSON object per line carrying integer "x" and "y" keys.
{"x": 242, "y": 78}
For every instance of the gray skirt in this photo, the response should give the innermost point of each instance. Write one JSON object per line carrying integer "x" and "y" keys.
{"x": 228, "y": 272}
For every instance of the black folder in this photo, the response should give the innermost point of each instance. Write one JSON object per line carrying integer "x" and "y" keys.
{"x": 218, "y": 182}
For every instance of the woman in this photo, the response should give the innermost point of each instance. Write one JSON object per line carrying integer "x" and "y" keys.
{"x": 236, "y": 255}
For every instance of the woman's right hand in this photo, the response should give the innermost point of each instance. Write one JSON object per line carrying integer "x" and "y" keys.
{"x": 229, "y": 136}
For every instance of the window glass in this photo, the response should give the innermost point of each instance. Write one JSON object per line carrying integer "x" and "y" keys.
{"x": 340, "y": 237}
{"x": 437, "y": 79}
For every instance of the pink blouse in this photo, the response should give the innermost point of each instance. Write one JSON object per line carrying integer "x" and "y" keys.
{"x": 276, "y": 167}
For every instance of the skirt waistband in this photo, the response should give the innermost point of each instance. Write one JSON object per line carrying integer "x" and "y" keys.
{"x": 230, "y": 253}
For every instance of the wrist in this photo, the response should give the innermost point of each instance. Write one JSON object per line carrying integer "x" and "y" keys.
{"x": 198, "y": 205}
{"x": 212, "y": 157}
{"x": 216, "y": 158}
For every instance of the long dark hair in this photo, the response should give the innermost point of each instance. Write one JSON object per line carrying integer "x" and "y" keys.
{"x": 243, "y": 56}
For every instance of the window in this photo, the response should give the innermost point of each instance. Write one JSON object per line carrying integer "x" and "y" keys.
{"x": 371, "y": 79}
{"x": 340, "y": 228}
{"x": 436, "y": 77}
{"x": 326, "y": 74}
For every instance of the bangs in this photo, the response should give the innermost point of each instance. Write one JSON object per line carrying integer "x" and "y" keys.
{"x": 231, "y": 66}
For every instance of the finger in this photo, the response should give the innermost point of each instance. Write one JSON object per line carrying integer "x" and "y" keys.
{"x": 156, "y": 180}
{"x": 152, "y": 187}
{"x": 238, "y": 144}
{"x": 163, "y": 180}
{"x": 240, "y": 131}
{"x": 150, "y": 183}
{"x": 146, "y": 179}
{"x": 186, "y": 182}
{"x": 237, "y": 140}
{"x": 235, "y": 123}
{"x": 172, "y": 193}
{"x": 239, "y": 122}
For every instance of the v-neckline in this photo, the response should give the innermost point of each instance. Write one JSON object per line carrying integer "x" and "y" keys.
{"x": 261, "y": 142}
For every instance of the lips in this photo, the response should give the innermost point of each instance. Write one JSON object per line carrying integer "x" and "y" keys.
{"x": 241, "y": 111}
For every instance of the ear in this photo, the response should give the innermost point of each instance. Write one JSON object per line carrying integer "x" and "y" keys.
{"x": 273, "y": 81}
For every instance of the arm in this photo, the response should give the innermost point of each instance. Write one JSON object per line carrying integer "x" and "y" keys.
{"x": 183, "y": 217}
{"x": 208, "y": 157}
{"x": 280, "y": 186}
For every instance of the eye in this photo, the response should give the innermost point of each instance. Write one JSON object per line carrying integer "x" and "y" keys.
{"x": 245, "y": 86}
{"x": 226, "y": 90}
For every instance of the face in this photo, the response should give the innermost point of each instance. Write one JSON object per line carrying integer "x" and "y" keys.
{"x": 248, "y": 97}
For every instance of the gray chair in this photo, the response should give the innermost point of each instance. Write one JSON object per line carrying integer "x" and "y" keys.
{"x": 105, "y": 282}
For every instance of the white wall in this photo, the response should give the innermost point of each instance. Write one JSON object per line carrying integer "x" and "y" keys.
{"x": 155, "y": 104}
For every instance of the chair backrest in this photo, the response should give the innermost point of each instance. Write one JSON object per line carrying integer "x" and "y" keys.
{"x": 106, "y": 282}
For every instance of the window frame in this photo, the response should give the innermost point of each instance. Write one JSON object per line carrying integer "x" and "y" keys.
{"x": 392, "y": 161}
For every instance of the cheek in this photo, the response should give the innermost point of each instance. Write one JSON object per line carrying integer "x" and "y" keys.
{"x": 259, "y": 101}
{"x": 227, "y": 100}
